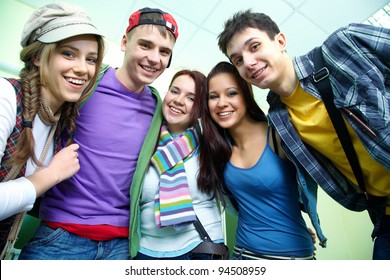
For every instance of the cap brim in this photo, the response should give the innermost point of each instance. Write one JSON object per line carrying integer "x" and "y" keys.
{"x": 66, "y": 32}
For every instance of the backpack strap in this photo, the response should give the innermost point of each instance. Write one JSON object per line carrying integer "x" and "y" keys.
{"x": 321, "y": 78}
{"x": 274, "y": 141}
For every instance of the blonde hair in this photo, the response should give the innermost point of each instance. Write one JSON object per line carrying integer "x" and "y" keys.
{"x": 32, "y": 78}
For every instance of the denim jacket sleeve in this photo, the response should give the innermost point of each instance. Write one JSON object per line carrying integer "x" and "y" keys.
{"x": 308, "y": 189}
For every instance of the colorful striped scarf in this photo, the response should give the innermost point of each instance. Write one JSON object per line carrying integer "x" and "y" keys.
{"x": 173, "y": 202}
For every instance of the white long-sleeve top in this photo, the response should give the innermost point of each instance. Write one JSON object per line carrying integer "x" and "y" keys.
{"x": 18, "y": 195}
{"x": 167, "y": 242}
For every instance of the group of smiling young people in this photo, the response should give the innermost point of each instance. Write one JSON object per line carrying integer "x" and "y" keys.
{"x": 129, "y": 173}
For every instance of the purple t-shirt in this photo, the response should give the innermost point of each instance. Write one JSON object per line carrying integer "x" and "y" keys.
{"x": 110, "y": 130}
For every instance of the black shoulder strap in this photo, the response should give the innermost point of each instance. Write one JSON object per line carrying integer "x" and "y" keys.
{"x": 274, "y": 141}
{"x": 202, "y": 232}
{"x": 321, "y": 78}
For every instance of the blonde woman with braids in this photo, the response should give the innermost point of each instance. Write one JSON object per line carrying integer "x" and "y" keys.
{"x": 62, "y": 51}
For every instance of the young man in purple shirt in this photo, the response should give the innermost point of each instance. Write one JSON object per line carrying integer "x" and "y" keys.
{"x": 87, "y": 216}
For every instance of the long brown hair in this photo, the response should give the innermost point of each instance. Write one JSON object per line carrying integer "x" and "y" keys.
{"x": 200, "y": 88}
{"x": 215, "y": 150}
{"x": 32, "y": 78}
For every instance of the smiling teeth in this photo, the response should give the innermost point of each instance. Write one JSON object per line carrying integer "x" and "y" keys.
{"x": 224, "y": 113}
{"x": 175, "y": 110}
{"x": 149, "y": 69}
{"x": 258, "y": 73}
{"x": 75, "y": 81}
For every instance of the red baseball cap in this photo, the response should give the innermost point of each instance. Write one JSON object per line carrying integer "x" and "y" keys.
{"x": 168, "y": 21}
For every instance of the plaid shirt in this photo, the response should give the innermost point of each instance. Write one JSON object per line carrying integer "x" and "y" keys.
{"x": 5, "y": 225}
{"x": 358, "y": 59}
{"x": 13, "y": 138}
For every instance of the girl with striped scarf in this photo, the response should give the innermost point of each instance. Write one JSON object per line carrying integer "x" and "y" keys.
{"x": 170, "y": 199}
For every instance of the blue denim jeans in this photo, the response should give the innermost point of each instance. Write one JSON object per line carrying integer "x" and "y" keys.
{"x": 59, "y": 244}
{"x": 186, "y": 257}
{"x": 382, "y": 241}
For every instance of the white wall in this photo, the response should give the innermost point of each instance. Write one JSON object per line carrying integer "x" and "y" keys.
{"x": 348, "y": 232}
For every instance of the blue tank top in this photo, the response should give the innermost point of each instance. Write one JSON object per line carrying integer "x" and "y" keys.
{"x": 269, "y": 220}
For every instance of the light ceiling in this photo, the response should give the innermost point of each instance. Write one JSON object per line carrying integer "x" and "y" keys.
{"x": 306, "y": 24}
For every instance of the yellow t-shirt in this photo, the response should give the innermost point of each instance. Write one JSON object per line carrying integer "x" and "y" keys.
{"x": 310, "y": 118}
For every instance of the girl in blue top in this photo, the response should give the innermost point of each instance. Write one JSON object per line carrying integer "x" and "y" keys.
{"x": 241, "y": 158}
